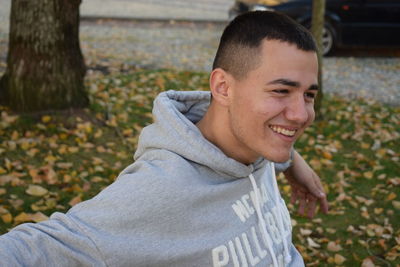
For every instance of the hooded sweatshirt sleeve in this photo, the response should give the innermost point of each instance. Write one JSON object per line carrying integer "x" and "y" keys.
{"x": 56, "y": 242}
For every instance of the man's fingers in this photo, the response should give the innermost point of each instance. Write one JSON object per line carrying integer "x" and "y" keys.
{"x": 302, "y": 203}
{"x": 323, "y": 203}
{"x": 293, "y": 197}
{"x": 316, "y": 188}
{"x": 311, "y": 207}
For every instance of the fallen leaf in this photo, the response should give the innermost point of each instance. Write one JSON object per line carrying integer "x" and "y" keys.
{"x": 7, "y": 218}
{"x": 396, "y": 204}
{"x": 339, "y": 259}
{"x": 312, "y": 243}
{"x": 368, "y": 175}
{"x": 46, "y": 119}
{"x": 36, "y": 190}
{"x": 305, "y": 232}
{"x": 391, "y": 196}
{"x": 38, "y": 217}
{"x": 75, "y": 200}
{"x": 22, "y": 217}
{"x": 367, "y": 262}
{"x": 332, "y": 246}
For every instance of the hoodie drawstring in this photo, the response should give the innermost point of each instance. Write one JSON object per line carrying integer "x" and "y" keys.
{"x": 262, "y": 225}
{"x": 288, "y": 258}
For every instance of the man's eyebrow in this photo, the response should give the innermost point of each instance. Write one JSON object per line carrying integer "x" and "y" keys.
{"x": 291, "y": 83}
{"x": 285, "y": 82}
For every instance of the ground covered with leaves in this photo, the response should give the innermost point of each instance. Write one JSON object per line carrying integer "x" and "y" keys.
{"x": 52, "y": 161}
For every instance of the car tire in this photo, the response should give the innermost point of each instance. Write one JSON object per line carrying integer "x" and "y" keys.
{"x": 328, "y": 38}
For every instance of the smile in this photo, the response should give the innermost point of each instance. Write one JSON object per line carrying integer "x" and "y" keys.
{"x": 283, "y": 131}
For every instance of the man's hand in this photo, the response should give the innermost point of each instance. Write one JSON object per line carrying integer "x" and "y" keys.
{"x": 306, "y": 187}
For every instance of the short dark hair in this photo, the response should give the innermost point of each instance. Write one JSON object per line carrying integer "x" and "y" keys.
{"x": 241, "y": 40}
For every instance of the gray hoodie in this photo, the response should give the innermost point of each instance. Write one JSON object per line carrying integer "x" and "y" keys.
{"x": 182, "y": 203}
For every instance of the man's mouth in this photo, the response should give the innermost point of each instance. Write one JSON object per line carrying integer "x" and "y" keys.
{"x": 283, "y": 131}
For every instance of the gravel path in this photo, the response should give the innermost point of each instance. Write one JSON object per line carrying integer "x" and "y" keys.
{"x": 193, "y": 46}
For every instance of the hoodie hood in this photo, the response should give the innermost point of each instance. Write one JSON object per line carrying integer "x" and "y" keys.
{"x": 175, "y": 115}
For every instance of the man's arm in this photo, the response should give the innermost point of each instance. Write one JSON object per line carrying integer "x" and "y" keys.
{"x": 55, "y": 242}
{"x": 306, "y": 187}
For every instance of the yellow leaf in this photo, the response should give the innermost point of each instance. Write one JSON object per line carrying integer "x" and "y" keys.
{"x": 391, "y": 196}
{"x": 378, "y": 210}
{"x": 365, "y": 145}
{"x": 339, "y": 259}
{"x": 22, "y": 217}
{"x": 46, "y": 119}
{"x": 50, "y": 158}
{"x": 25, "y": 145}
{"x": 73, "y": 149}
{"x": 38, "y": 217}
{"x": 368, "y": 175}
{"x": 2, "y": 170}
{"x": 36, "y": 190}
{"x": 63, "y": 136}
{"x": 286, "y": 189}
{"x": 7, "y": 218}
{"x": 32, "y": 152}
{"x": 327, "y": 155}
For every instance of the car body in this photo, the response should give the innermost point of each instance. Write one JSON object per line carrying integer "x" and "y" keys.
{"x": 347, "y": 22}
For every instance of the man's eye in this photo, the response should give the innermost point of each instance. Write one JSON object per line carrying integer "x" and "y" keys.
{"x": 310, "y": 95}
{"x": 281, "y": 91}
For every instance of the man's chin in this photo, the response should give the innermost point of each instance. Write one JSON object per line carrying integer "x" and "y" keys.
{"x": 283, "y": 158}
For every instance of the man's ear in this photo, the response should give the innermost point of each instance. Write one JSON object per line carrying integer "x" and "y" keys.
{"x": 220, "y": 86}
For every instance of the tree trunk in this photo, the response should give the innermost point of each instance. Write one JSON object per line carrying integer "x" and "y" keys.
{"x": 317, "y": 25}
{"x": 45, "y": 66}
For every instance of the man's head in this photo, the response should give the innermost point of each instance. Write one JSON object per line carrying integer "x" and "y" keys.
{"x": 240, "y": 43}
{"x": 263, "y": 85}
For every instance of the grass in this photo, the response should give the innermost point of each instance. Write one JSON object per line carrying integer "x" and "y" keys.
{"x": 73, "y": 155}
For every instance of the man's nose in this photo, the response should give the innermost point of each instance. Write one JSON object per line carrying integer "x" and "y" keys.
{"x": 297, "y": 110}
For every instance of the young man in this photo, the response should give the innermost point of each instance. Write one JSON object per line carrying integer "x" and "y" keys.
{"x": 202, "y": 190}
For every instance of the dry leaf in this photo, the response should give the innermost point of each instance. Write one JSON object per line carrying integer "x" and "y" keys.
{"x": 38, "y": 217}
{"x": 367, "y": 262}
{"x": 312, "y": 243}
{"x": 75, "y": 200}
{"x": 368, "y": 175}
{"x": 332, "y": 246}
{"x": 46, "y": 119}
{"x": 396, "y": 204}
{"x": 7, "y": 218}
{"x": 339, "y": 259}
{"x": 305, "y": 232}
{"x": 36, "y": 190}
{"x": 391, "y": 196}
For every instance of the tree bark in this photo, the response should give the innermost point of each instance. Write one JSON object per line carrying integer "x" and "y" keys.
{"x": 45, "y": 67}
{"x": 317, "y": 25}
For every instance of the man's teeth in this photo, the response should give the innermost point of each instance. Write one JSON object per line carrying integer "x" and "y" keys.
{"x": 283, "y": 131}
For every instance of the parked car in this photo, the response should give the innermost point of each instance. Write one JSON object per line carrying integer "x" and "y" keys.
{"x": 347, "y": 22}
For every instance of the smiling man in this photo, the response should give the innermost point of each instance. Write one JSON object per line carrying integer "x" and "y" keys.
{"x": 202, "y": 190}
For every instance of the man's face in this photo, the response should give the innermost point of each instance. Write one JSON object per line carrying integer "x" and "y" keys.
{"x": 271, "y": 107}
